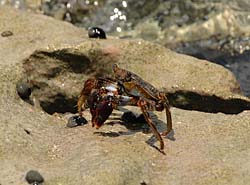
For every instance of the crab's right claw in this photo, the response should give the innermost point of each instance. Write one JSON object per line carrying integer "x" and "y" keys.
{"x": 101, "y": 113}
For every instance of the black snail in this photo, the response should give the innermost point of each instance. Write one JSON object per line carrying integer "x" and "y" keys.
{"x": 95, "y": 32}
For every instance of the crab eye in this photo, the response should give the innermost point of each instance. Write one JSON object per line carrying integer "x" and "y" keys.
{"x": 114, "y": 67}
{"x": 128, "y": 78}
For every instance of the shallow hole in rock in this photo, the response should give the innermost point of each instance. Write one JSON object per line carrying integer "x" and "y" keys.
{"x": 47, "y": 71}
{"x": 181, "y": 99}
{"x": 108, "y": 134}
{"x": 59, "y": 104}
{"x": 27, "y": 131}
{"x": 192, "y": 101}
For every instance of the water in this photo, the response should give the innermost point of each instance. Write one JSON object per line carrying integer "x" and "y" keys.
{"x": 19, "y": 4}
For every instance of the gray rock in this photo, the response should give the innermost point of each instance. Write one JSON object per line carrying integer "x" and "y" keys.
{"x": 75, "y": 121}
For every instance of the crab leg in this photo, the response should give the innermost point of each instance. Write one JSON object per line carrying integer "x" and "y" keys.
{"x": 144, "y": 108}
{"x": 165, "y": 103}
{"x": 169, "y": 121}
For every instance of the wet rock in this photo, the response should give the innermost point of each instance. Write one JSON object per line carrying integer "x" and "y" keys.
{"x": 95, "y": 32}
{"x": 54, "y": 8}
{"x": 34, "y": 177}
{"x": 75, "y": 121}
{"x": 222, "y": 38}
{"x": 111, "y": 15}
{"x": 23, "y": 89}
{"x": 227, "y": 51}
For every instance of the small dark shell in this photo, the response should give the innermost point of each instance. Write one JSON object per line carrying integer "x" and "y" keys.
{"x": 6, "y": 33}
{"x": 23, "y": 89}
{"x": 128, "y": 117}
{"x": 142, "y": 123}
{"x": 34, "y": 177}
{"x": 131, "y": 122}
{"x": 75, "y": 121}
{"x": 95, "y": 32}
{"x": 141, "y": 119}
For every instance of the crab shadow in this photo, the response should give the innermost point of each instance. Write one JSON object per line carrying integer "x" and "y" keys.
{"x": 138, "y": 124}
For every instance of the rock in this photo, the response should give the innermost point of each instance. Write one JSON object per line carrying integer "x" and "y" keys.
{"x": 110, "y": 15}
{"x": 231, "y": 52}
{"x": 225, "y": 22}
{"x": 208, "y": 148}
{"x": 62, "y": 61}
{"x": 193, "y": 84}
{"x": 75, "y": 121}
{"x": 187, "y": 27}
{"x": 222, "y": 38}
{"x": 31, "y": 35}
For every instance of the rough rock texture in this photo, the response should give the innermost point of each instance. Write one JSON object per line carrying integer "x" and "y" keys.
{"x": 214, "y": 30}
{"x": 31, "y": 33}
{"x": 207, "y": 149}
{"x": 190, "y": 83}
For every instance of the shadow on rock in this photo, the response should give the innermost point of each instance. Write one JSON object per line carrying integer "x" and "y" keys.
{"x": 136, "y": 124}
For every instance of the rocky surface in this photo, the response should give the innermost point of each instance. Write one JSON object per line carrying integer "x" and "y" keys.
{"x": 55, "y": 58}
{"x": 214, "y": 30}
{"x": 189, "y": 82}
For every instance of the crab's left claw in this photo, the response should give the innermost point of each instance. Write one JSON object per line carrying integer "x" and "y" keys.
{"x": 88, "y": 86}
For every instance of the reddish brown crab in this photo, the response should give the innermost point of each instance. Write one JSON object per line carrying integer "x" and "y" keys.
{"x": 102, "y": 95}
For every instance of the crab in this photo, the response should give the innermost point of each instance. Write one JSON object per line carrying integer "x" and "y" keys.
{"x": 102, "y": 95}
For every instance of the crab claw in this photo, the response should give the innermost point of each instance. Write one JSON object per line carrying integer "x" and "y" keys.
{"x": 88, "y": 86}
{"x": 100, "y": 113}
